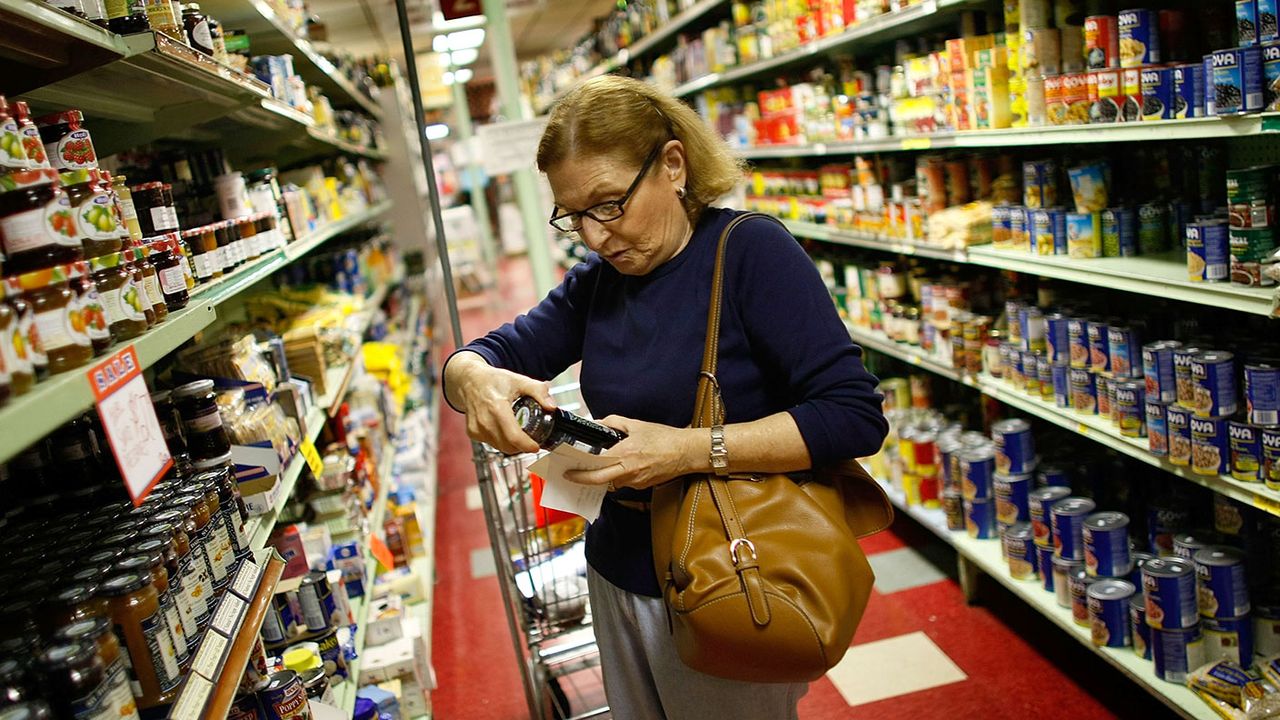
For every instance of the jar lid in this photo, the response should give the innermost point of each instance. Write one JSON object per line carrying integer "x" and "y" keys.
{"x": 39, "y": 279}
{"x": 136, "y": 562}
{"x": 302, "y": 659}
{"x": 92, "y": 572}
{"x": 151, "y": 545}
{"x": 76, "y": 177}
{"x": 278, "y": 680}
{"x": 67, "y": 655}
{"x": 193, "y": 232}
{"x": 168, "y": 515}
{"x": 159, "y": 528}
{"x": 117, "y": 538}
{"x": 66, "y": 116}
{"x": 161, "y": 245}
{"x": 88, "y": 629}
{"x": 160, "y": 396}
{"x": 125, "y": 583}
{"x": 193, "y": 388}
{"x": 106, "y": 555}
{"x": 76, "y": 593}
{"x": 148, "y": 186}
{"x": 212, "y": 463}
{"x": 33, "y": 710}
{"x": 109, "y": 261}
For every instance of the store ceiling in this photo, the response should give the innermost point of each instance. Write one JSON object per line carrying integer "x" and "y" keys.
{"x": 366, "y": 27}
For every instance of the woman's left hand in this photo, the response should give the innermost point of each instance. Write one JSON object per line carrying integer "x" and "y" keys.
{"x": 650, "y": 455}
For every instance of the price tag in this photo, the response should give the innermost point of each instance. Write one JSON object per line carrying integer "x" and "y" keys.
{"x": 308, "y": 450}
{"x": 246, "y": 580}
{"x": 917, "y": 143}
{"x": 227, "y": 618}
{"x": 1082, "y": 428}
{"x": 208, "y": 658}
{"x": 195, "y": 695}
{"x": 129, "y": 420}
{"x": 1266, "y": 503}
{"x": 381, "y": 553}
{"x": 913, "y": 359}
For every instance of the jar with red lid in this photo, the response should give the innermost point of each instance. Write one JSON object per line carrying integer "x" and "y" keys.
{"x": 95, "y": 213}
{"x": 171, "y": 208}
{"x": 22, "y": 372}
{"x": 122, "y": 300}
{"x": 151, "y": 282}
{"x": 66, "y": 142}
{"x": 37, "y": 159}
{"x": 37, "y": 223}
{"x": 93, "y": 314}
{"x": 150, "y": 208}
{"x": 130, "y": 258}
{"x": 163, "y": 255}
{"x": 203, "y": 245}
{"x": 13, "y": 155}
{"x": 59, "y": 330}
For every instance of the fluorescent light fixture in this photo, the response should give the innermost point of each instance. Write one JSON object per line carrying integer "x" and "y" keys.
{"x": 440, "y": 43}
{"x": 462, "y": 75}
{"x": 447, "y": 78}
{"x": 465, "y": 39}
{"x": 464, "y": 57}
{"x": 439, "y": 131}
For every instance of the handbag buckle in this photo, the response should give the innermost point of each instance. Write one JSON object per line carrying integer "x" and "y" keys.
{"x": 737, "y": 543}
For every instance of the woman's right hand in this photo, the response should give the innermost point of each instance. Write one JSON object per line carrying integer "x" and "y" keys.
{"x": 486, "y": 393}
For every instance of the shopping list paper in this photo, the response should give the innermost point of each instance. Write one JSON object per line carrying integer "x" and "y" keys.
{"x": 562, "y": 494}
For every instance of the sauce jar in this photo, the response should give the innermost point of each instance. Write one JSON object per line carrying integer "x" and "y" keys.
{"x": 249, "y": 240}
{"x": 59, "y": 329}
{"x": 13, "y": 155}
{"x": 135, "y": 612}
{"x": 74, "y": 679}
{"x": 168, "y": 267}
{"x": 95, "y": 215}
{"x": 194, "y": 502}
{"x": 151, "y": 283}
{"x": 204, "y": 246}
{"x": 68, "y": 145}
{"x": 196, "y": 569}
{"x": 37, "y": 159}
{"x": 127, "y": 17}
{"x": 122, "y": 300}
{"x": 197, "y": 405}
{"x": 152, "y": 563}
{"x": 128, "y": 211}
{"x": 37, "y": 224}
{"x": 88, "y": 303}
{"x": 190, "y": 597}
{"x": 97, "y": 631}
{"x": 163, "y": 17}
{"x": 196, "y": 27}
{"x": 32, "y": 364}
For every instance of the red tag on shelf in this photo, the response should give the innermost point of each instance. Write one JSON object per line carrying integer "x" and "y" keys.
{"x": 129, "y": 420}
{"x": 381, "y": 552}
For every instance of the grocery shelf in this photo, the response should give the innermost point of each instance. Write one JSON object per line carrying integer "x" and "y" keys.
{"x": 815, "y": 231}
{"x": 259, "y": 527}
{"x": 1189, "y": 129}
{"x": 319, "y": 237}
{"x": 1093, "y": 427}
{"x": 40, "y": 44}
{"x": 881, "y": 28}
{"x": 344, "y": 145}
{"x": 989, "y": 556}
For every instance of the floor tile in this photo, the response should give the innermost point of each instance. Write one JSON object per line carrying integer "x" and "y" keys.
{"x": 903, "y": 569}
{"x": 893, "y": 667}
{"x": 482, "y": 563}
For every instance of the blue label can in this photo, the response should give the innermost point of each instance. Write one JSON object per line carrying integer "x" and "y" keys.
{"x": 1210, "y": 92}
{"x": 1157, "y": 93}
{"x": 1019, "y": 238}
{"x": 1271, "y": 457}
{"x": 1031, "y": 371}
{"x": 1237, "y": 80}
{"x": 1046, "y": 378}
{"x": 1178, "y": 423}
{"x": 1130, "y": 408}
{"x": 1106, "y": 544}
{"x": 1099, "y": 346}
{"x": 1049, "y": 231}
{"x": 1210, "y": 450}
{"x": 1039, "y": 503}
{"x": 1020, "y": 551}
{"x": 1067, "y": 517}
{"x": 1214, "y": 375}
{"x": 1170, "y": 588}
{"x": 1186, "y": 385}
{"x": 1139, "y": 631}
{"x": 1055, "y": 338}
{"x": 1049, "y": 475}
{"x": 1062, "y": 385}
{"x": 1229, "y": 639}
{"x": 1119, "y": 232}
{"x": 1078, "y": 583}
{"x": 1270, "y": 75}
{"x": 1039, "y": 184}
{"x": 1262, "y": 394}
{"x": 1014, "y": 445}
{"x": 1011, "y": 493}
{"x": 1220, "y": 581}
{"x": 1176, "y": 653}
{"x": 1247, "y": 22}
{"x": 1139, "y": 38}
{"x": 1000, "y": 227}
{"x": 1063, "y": 571}
{"x": 1244, "y": 443}
{"x": 1208, "y": 251}
{"x": 1157, "y": 427}
{"x": 980, "y": 519}
{"x": 1106, "y": 395}
{"x": 1044, "y": 558}
{"x": 1078, "y": 342}
{"x": 977, "y": 468}
{"x": 1157, "y": 369}
{"x": 1188, "y": 90}
{"x": 1109, "y": 612}
{"x": 1267, "y": 30}
{"x": 1138, "y": 559}
{"x": 1126, "y": 351}
{"x": 1084, "y": 392}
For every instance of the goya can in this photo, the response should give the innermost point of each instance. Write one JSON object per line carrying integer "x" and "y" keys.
{"x": 1084, "y": 234}
{"x": 980, "y": 519}
{"x": 1169, "y": 585}
{"x": 1039, "y": 503}
{"x": 1262, "y": 394}
{"x": 953, "y": 509}
{"x": 1185, "y": 383}
{"x": 1157, "y": 427}
{"x": 1101, "y": 42}
{"x": 1099, "y": 346}
{"x": 1106, "y": 393}
{"x": 1153, "y": 228}
{"x": 1157, "y": 370}
{"x": 1048, "y": 231}
{"x": 1187, "y": 544}
{"x": 1236, "y": 80}
{"x": 1214, "y": 375}
{"x": 1138, "y": 559}
{"x": 1208, "y": 251}
{"x": 1139, "y": 38}
{"x": 1247, "y": 22}
{"x": 1105, "y": 99}
{"x": 1188, "y": 90}
{"x": 1220, "y": 582}
{"x": 1157, "y": 93}
{"x": 1130, "y": 407}
{"x": 1011, "y": 496}
{"x": 1062, "y": 385}
{"x": 1210, "y": 451}
{"x": 1051, "y": 475}
{"x": 1176, "y": 653}
{"x": 1020, "y": 551}
{"x": 1109, "y": 612}
{"x": 1106, "y": 544}
{"x": 1063, "y": 570}
{"x": 1271, "y": 76}
{"x": 1078, "y": 583}
{"x": 1131, "y": 86}
{"x": 1019, "y": 233}
{"x": 1056, "y": 338}
{"x": 283, "y": 697}
{"x": 1267, "y": 26}
{"x": 1000, "y": 227}
{"x": 1228, "y": 639}
{"x": 1014, "y": 446}
{"x": 1270, "y": 437}
{"x": 1046, "y": 379}
{"x": 1244, "y": 442}
{"x": 1078, "y": 342}
{"x": 1125, "y": 350}
{"x": 1139, "y": 631}
{"x": 1031, "y": 371}
{"x": 1084, "y": 391}
{"x": 319, "y": 610}
{"x": 977, "y": 468}
{"x": 1164, "y": 521}
{"x": 1044, "y": 560}
{"x": 1067, "y": 517}
{"x": 1039, "y": 184}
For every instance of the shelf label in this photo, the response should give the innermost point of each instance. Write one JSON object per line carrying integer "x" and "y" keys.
{"x": 129, "y": 420}
{"x": 309, "y": 453}
{"x": 208, "y": 660}
{"x": 1082, "y": 428}
{"x": 1266, "y": 503}
{"x": 917, "y": 143}
{"x": 228, "y": 615}
{"x": 246, "y": 580}
{"x": 913, "y": 359}
{"x": 195, "y": 695}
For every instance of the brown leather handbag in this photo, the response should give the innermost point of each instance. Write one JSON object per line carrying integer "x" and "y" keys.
{"x": 764, "y": 579}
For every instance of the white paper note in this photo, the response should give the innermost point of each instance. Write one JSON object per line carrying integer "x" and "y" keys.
{"x": 562, "y": 494}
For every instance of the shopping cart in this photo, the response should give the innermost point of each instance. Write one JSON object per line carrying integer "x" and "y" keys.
{"x": 541, "y": 568}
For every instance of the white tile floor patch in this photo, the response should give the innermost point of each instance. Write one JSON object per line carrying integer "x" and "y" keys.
{"x": 482, "y": 563}
{"x": 892, "y": 667}
{"x": 473, "y": 498}
{"x": 903, "y": 569}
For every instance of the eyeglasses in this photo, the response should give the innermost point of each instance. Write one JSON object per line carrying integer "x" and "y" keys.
{"x": 607, "y": 211}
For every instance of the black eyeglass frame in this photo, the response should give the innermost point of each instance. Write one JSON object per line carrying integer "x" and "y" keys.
{"x": 620, "y": 203}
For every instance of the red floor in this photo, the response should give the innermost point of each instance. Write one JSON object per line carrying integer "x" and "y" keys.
{"x": 1019, "y": 665}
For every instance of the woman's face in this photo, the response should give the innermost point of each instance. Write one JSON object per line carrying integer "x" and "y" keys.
{"x": 653, "y": 227}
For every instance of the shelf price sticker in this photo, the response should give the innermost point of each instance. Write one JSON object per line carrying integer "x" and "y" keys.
{"x": 191, "y": 703}
{"x": 917, "y": 143}
{"x": 246, "y": 580}
{"x": 1267, "y": 504}
{"x": 312, "y": 456}
{"x": 129, "y": 420}
{"x": 208, "y": 660}
{"x": 227, "y": 619}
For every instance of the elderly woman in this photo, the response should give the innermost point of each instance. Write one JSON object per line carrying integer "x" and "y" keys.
{"x": 633, "y": 172}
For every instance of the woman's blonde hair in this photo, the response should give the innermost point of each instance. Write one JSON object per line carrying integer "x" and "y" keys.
{"x": 627, "y": 118}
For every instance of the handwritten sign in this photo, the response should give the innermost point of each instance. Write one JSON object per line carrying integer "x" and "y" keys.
{"x": 509, "y": 146}
{"x": 129, "y": 420}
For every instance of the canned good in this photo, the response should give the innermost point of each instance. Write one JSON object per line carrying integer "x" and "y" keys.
{"x": 1084, "y": 235}
{"x": 1170, "y": 588}
{"x": 1105, "y": 99}
{"x": 1214, "y": 375}
{"x": 1084, "y": 391}
{"x": 1101, "y": 42}
{"x": 1188, "y": 90}
{"x": 1271, "y": 76}
{"x": 1157, "y": 369}
{"x": 283, "y": 697}
{"x": 1138, "y": 559}
{"x": 1106, "y": 395}
{"x": 1011, "y": 497}
{"x": 1119, "y": 232}
{"x": 1039, "y": 184}
{"x": 1044, "y": 566}
{"x": 279, "y": 621}
{"x": 1220, "y": 582}
{"x": 1244, "y": 442}
{"x": 1048, "y": 475}
{"x": 1046, "y": 378}
{"x": 1153, "y": 228}
{"x": 1108, "y": 602}
{"x": 1072, "y": 106}
{"x": 1139, "y": 631}
{"x": 1262, "y": 394}
{"x": 1048, "y": 232}
{"x": 1210, "y": 450}
{"x": 1020, "y": 551}
{"x": 1039, "y": 503}
{"x": 1078, "y": 583}
{"x": 1208, "y": 251}
{"x": 1131, "y": 87}
{"x": 1099, "y": 347}
{"x": 1063, "y": 570}
{"x": 1000, "y": 226}
{"x": 1270, "y": 437}
{"x": 1041, "y": 52}
{"x": 1139, "y": 38}
{"x": 1056, "y": 339}
{"x": 1267, "y": 28}
{"x": 1236, "y": 80}
{"x": 319, "y": 611}
{"x": 953, "y": 509}
{"x": 1247, "y": 22}
{"x": 977, "y": 468}
{"x": 1106, "y": 544}
{"x": 1031, "y": 372}
{"x": 1266, "y": 630}
{"x": 1229, "y": 639}
{"x": 1067, "y": 517}
{"x": 1185, "y": 383}
{"x": 1019, "y": 229}
{"x": 1178, "y": 421}
{"x": 980, "y": 519}
{"x": 1130, "y": 407}
{"x": 1062, "y": 385}
{"x": 1014, "y": 446}
{"x": 1157, "y": 426}
{"x": 1176, "y": 652}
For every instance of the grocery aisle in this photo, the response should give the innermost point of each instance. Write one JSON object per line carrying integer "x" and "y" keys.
{"x": 920, "y": 647}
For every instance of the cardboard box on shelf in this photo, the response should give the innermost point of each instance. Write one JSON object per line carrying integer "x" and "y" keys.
{"x": 384, "y": 622}
{"x": 392, "y": 660}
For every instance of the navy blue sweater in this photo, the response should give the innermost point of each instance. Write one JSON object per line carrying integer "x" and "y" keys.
{"x": 640, "y": 339}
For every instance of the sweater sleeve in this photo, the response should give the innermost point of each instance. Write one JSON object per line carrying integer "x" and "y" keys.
{"x": 793, "y": 327}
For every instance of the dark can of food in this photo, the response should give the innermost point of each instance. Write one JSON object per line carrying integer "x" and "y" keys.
{"x": 1214, "y": 375}
{"x": 1158, "y": 371}
{"x": 1062, "y": 385}
{"x": 980, "y": 519}
{"x": 1055, "y": 337}
{"x": 1267, "y": 27}
{"x": 1139, "y": 43}
{"x": 1099, "y": 346}
{"x": 1106, "y": 544}
{"x": 1126, "y": 352}
{"x": 1084, "y": 391}
{"x": 1245, "y": 442}
{"x": 1210, "y": 454}
{"x": 1044, "y": 558}
{"x": 1109, "y": 612}
{"x": 1188, "y": 90}
{"x": 1014, "y": 446}
{"x": 977, "y": 469}
{"x": 1068, "y": 516}
{"x": 1119, "y": 232}
{"x": 316, "y": 684}
{"x": 1130, "y": 408}
{"x": 1237, "y": 80}
{"x": 1186, "y": 385}
{"x": 1157, "y": 426}
{"x": 283, "y": 697}
{"x": 1078, "y": 342}
{"x": 1131, "y": 90}
{"x": 1011, "y": 493}
{"x": 1153, "y": 228}
{"x": 1178, "y": 422}
{"x": 1105, "y": 96}
{"x": 279, "y": 621}
{"x": 246, "y": 707}
{"x": 1139, "y": 630}
{"x": 1101, "y": 42}
{"x": 1157, "y": 93}
{"x": 1170, "y": 587}
{"x": 1271, "y": 75}
{"x": 1247, "y": 22}
{"x": 1052, "y": 475}
{"x": 1262, "y": 394}
{"x": 1220, "y": 580}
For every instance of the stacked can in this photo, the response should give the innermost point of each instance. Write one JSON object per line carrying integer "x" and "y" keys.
{"x": 1251, "y": 232}
{"x": 977, "y": 472}
{"x": 1172, "y": 614}
{"x": 1223, "y": 597}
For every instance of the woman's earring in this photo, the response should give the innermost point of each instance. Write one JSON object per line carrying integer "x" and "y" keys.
{"x": 680, "y": 193}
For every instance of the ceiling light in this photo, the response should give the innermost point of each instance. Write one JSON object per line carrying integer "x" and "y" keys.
{"x": 462, "y": 75}
{"x": 447, "y": 78}
{"x": 465, "y": 39}
{"x": 439, "y": 131}
{"x": 440, "y": 43}
{"x": 464, "y": 57}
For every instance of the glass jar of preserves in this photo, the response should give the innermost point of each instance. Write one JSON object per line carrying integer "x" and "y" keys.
{"x": 74, "y": 679}
{"x": 59, "y": 328}
{"x": 163, "y": 17}
{"x": 197, "y": 405}
{"x": 229, "y": 243}
{"x": 194, "y": 502}
{"x": 37, "y": 159}
{"x": 184, "y": 260}
{"x": 196, "y": 27}
{"x": 97, "y": 631}
{"x": 89, "y": 306}
{"x": 127, "y": 17}
{"x": 66, "y": 142}
{"x": 150, "y": 209}
{"x": 33, "y": 364}
{"x": 166, "y": 192}
{"x": 37, "y": 224}
{"x": 219, "y": 517}
{"x": 153, "y": 564}
{"x": 230, "y": 498}
{"x": 71, "y": 602}
{"x": 170, "y": 426}
{"x": 129, "y": 256}
{"x": 135, "y": 611}
{"x": 162, "y": 551}
{"x": 151, "y": 283}
{"x": 219, "y": 41}
{"x": 122, "y": 301}
{"x": 248, "y": 231}
{"x": 128, "y": 211}
{"x": 194, "y": 609}
{"x": 200, "y": 255}
{"x": 94, "y": 211}
{"x": 168, "y": 267}
{"x": 13, "y": 155}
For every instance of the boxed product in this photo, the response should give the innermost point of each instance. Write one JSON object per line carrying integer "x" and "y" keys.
{"x": 392, "y": 660}
{"x": 385, "y": 621}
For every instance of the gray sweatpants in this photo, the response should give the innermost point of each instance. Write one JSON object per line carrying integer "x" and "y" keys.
{"x": 644, "y": 678}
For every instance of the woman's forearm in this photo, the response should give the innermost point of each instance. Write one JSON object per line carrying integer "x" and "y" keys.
{"x": 770, "y": 444}
{"x": 456, "y": 369}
